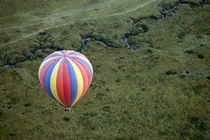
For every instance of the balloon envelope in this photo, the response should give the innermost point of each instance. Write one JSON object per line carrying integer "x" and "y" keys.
{"x": 66, "y": 76}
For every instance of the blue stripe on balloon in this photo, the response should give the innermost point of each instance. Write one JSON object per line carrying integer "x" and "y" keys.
{"x": 47, "y": 79}
{"x": 86, "y": 64}
{"x": 73, "y": 81}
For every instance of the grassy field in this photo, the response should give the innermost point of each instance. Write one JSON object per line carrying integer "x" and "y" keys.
{"x": 159, "y": 88}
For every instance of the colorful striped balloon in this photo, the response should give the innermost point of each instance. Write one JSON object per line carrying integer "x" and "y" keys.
{"x": 66, "y": 76}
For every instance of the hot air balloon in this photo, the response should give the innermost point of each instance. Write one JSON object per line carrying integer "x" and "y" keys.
{"x": 66, "y": 76}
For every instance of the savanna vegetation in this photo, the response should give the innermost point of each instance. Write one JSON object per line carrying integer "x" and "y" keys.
{"x": 150, "y": 60}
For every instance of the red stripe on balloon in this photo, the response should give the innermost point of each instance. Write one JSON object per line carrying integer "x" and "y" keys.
{"x": 66, "y": 83}
{"x": 59, "y": 83}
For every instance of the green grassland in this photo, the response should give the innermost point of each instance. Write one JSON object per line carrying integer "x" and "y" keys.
{"x": 159, "y": 88}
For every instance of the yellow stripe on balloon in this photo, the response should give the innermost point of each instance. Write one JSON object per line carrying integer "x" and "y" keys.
{"x": 53, "y": 80}
{"x": 79, "y": 81}
{"x": 83, "y": 58}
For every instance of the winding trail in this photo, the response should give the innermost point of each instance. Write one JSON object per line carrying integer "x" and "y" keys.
{"x": 64, "y": 14}
{"x": 69, "y": 13}
{"x": 163, "y": 13}
{"x": 67, "y": 23}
